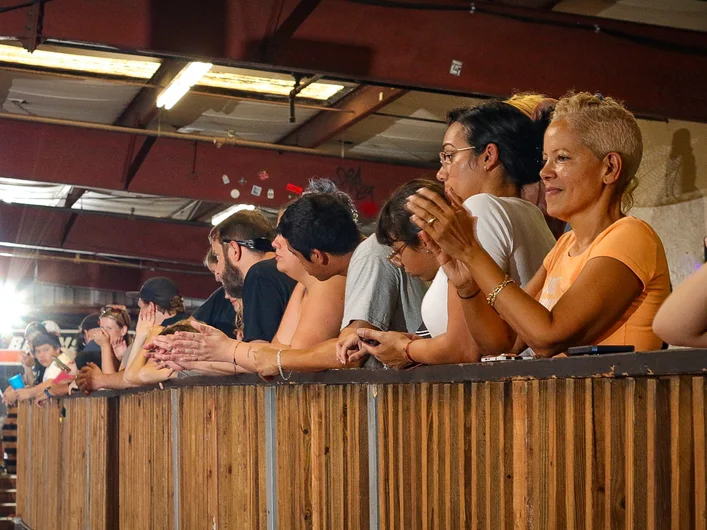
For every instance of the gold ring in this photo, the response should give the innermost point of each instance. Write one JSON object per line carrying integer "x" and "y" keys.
{"x": 432, "y": 221}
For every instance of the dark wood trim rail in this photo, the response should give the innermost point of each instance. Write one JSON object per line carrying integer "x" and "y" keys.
{"x": 597, "y": 442}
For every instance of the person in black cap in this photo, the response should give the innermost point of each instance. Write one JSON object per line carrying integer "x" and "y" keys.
{"x": 87, "y": 351}
{"x": 163, "y": 295}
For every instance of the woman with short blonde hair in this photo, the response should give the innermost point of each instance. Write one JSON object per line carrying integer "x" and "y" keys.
{"x": 604, "y": 280}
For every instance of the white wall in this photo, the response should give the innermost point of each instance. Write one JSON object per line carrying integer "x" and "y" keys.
{"x": 672, "y": 194}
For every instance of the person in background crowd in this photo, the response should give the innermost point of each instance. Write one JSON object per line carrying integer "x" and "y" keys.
{"x": 114, "y": 338}
{"x": 682, "y": 319}
{"x": 86, "y": 348}
{"x": 245, "y": 259}
{"x": 322, "y": 233}
{"x": 488, "y": 178}
{"x": 313, "y": 313}
{"x": 218, "y": 310}
{"x": 33, "y": 369}
{"x": 538, "y": 107}
{"x": 160, "y": 299}
{"x": 603, "y": 281}
{"x": 87, "y": 351}
{"x": 47, "y": 350}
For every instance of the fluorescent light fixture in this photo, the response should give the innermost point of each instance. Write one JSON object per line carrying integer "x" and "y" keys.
{"x": 181, "y": 84}
{"x": 232, "y": 79}
{"x": 97, "y": 63}
{"x": 13, "y": 307}
{"x": 228, "y": 212}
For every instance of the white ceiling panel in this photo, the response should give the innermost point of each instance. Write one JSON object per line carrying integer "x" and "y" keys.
{"x": 134, "y": 204}
{"x": 259, "y": 122}
{"x": 408, "y": 130}
{"x": 35, "y": 193}
{"x": 684, "y": 14}
{"x": 83, "y": 100}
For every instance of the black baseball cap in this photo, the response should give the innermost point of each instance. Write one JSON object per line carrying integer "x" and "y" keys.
{"x": 90, "y": 322}
{"x": 159, "y": 290}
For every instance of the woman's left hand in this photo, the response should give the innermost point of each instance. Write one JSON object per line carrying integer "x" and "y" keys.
{"x": 450, "y": 226}
{"x": 390, "y": 349}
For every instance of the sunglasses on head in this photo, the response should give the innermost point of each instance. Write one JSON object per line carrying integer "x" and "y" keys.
{"x": 261, "y": 244}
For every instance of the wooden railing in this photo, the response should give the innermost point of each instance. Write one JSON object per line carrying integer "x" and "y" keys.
{"x": 614, "y": 441}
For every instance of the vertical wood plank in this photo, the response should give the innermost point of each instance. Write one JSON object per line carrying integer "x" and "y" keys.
{"x": 520, "y": 452}
{"x": 552, "y": 500}
{"x": 476, "y": 483}
{"x": 570, "y": 445}
{"x": 629, "y": 451}
{"x": 639, "y": 484}
{"x": 698, "y": 426}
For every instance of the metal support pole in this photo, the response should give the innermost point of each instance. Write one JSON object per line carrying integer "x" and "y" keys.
{"x": 271, "y": 458}
{"x": 175, "y": 454}
{"x": 373, "y": 501}
{"x": 87, "y": 505}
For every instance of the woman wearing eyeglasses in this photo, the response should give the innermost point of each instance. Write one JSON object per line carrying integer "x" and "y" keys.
{"x": 489, "y": 153}
{"x": 603, "y": 282}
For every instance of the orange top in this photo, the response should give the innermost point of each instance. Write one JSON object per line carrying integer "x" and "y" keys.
{"x": 635, "y": 244}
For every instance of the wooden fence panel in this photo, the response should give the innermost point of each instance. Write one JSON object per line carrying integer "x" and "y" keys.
{"x": 146, "y": 492}
{"x": 322, "y": 457}
{"x": 221, "y": 458}
{"x": 240, "y": 457}
{"x": 585, "y": 454}
{"x": 24, "y": 462}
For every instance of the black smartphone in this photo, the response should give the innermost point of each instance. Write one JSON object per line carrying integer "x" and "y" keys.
{"x": 598, "y": 350}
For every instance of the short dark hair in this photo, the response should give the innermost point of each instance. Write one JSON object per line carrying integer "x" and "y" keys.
{"x": 246, "y": 224}
{"x": 319, "y": 221}
{"x": 394, "y": 222}
{"x": 518, "y": 138}
{"x": 46, "y": 338}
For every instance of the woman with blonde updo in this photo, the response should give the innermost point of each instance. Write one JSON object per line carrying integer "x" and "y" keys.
{"x": 603, "y": 281}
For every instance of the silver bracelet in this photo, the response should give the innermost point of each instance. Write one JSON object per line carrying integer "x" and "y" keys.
{"x": 279, "y": 367}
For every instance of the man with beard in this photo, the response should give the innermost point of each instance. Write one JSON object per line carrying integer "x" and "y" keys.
{"x": 218, "y": 310}
{"x": 245, "y": 263}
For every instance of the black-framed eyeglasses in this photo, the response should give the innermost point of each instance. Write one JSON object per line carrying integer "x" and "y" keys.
{"x": 446, "y": 157}
{"x": 394, "y": 257}
{"x": 261, "y": 244}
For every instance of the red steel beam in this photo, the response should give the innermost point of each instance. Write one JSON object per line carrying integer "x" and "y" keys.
{"x": 501, "y": 48}
{"x": 179, "y": 168}
{"x": 98, "y": 276}
{"x": 103, "y": 233}
{"x": 362, "y": 102}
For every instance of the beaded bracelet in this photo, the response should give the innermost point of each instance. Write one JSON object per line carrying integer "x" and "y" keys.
{"x": 279, "y": 367}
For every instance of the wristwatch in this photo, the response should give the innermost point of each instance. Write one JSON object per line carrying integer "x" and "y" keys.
{"x": 46, "y": 391}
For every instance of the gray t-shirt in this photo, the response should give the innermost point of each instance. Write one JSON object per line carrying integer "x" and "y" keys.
{"x": 380, "y": 293}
